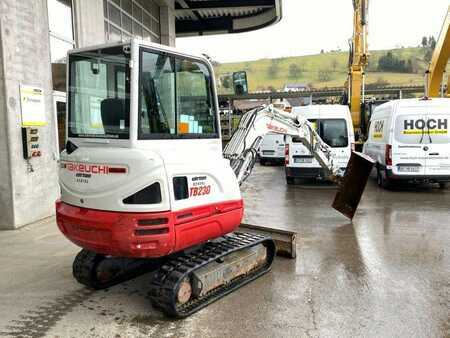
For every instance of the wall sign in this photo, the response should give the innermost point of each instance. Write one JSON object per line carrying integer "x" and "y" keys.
{"x": 32, "y": 106}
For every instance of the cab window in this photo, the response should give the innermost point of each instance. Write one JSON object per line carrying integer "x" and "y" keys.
{"x": 176, "y": 98}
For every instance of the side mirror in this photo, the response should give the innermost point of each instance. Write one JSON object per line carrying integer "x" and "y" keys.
{"x": 240, "y": 84}
{"x": 95, "y": 68}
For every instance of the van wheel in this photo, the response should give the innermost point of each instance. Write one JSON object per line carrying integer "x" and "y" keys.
{"x": 262, "y": 161}
{"x": 443, "y": 185}
{"x": 382, "y": 181}
{"x": 290, "y": 180}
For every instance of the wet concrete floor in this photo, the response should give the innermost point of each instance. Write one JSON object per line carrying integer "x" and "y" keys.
{"x": 387, "y": 274}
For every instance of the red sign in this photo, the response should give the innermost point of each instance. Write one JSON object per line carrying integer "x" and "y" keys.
{"x": 281, "y": 130}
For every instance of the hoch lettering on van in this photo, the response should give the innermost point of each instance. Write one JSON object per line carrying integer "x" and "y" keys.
{"x": 433, "y": 126}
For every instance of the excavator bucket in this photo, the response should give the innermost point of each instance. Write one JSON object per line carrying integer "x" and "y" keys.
{"x": 352, "y": 185}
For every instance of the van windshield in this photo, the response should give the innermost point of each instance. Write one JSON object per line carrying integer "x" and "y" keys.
{"x": 423, "y": 128}
{"x": 332, "y": 131}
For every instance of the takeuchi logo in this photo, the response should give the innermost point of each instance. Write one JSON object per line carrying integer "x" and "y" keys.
{"x": 87, "y": 168}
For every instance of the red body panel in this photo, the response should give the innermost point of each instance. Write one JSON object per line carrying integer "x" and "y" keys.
{"x": 148, "y": 235}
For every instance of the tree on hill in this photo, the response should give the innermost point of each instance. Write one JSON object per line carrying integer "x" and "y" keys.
{"x": 392, "y": 63}
{"x": 428, "y": 55}
{"x": 294, "y": 71}
{"x": 424, "y": 42}
{"x": 334, "y": 65}
{"x": 272, "y": 70}
{"x": 324, "y": 75}
{"x": 432, "y": 42}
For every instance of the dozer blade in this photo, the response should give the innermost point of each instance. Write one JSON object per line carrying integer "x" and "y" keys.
{"x": 352, "y": 185}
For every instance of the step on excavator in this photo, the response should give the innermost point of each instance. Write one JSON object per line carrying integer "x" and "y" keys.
{"x": 145, "y": 185}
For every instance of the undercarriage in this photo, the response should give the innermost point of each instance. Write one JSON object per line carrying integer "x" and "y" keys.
{"x": 185, "y": 282}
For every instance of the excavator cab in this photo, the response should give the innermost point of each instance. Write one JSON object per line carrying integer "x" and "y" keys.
{"x": 144, "y": 151}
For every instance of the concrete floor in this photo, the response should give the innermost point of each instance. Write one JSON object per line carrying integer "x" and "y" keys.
{"x": 385, "y": 275}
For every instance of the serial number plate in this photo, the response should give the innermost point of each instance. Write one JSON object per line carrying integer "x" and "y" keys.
{"x": 303, "y": 159}
{"x": 409, "y": 169}
{"x": 268, "y": 152}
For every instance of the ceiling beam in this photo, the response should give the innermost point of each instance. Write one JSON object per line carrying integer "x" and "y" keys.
{"x": 223, "y": 4}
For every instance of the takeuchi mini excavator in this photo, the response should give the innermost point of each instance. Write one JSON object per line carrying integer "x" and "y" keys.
{"x": 145, "y": 185}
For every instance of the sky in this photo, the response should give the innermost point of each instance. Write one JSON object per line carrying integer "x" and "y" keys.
{"x": 308, "y": 26}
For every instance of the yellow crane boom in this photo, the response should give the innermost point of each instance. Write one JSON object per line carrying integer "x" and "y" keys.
{"x": 358, "y": 60}
{"x": 439, "y": 60}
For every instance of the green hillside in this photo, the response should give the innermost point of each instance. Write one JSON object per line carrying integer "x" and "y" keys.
{"x": 327, "y": 70}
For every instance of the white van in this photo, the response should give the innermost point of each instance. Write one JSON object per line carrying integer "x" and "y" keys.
{"x": 272, "y": 146}
{"x": 334, "y": 125}
{"x": 271, "y": 149}
{"x": 410, "y": 140}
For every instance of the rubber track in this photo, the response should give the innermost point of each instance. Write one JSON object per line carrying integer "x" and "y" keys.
{"x": 166, "y": 281}
{"x": 83, "y": 268}
{"x": 85, "y": 265}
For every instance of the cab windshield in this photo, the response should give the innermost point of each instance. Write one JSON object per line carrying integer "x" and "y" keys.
{"x": 175, "y": 98}
{"x": 99, "y": 94}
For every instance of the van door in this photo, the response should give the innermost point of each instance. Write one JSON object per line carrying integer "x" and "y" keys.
{"x": 409, "y": 142}
{"x": 437, "y": 149}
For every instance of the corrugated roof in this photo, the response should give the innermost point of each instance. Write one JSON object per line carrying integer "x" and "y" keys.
{"x": 198, "y": 17}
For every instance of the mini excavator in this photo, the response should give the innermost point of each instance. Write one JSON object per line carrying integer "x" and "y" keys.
{"x": 145, "y": 185}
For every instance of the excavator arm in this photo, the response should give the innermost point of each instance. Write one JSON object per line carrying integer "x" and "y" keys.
{"x": 243, "y": 146}
{"x": 439, "y": 61}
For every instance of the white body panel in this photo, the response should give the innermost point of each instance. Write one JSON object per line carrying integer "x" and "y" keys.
{"x": 418, "y": 132}
{"x": 145, "y": 161}
{"x": 298, "y": 152}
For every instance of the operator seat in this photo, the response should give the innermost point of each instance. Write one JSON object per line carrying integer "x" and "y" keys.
{"x": 113, "y": 111}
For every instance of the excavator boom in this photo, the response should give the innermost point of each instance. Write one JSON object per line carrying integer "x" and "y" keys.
{"x": 439, "y": 60}
{"x": 358, "y": 59}
{"x": 242, "y": 149}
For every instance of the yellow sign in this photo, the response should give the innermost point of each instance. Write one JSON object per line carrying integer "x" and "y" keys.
{"x": 377, "y": 135}
{"x": 32, "y": 106}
